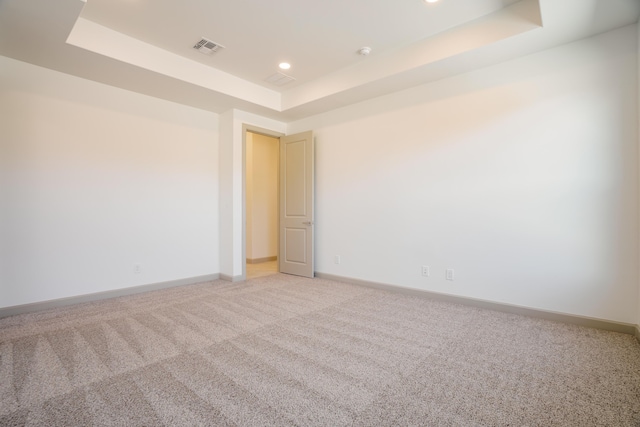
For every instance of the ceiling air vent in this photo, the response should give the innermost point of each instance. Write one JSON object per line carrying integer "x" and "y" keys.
{"x": 279, "y": 79}
{"x": 207, "y": 47}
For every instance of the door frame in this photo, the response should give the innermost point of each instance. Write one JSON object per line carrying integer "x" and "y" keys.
{"x": 273, "y": 134}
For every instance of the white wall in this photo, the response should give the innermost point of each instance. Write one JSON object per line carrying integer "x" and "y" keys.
{"x": 262, "y": 196}
{"x": 638, "y": 106}
{"x": 523, "y": 177}
{"x": 96, "y": 179}
{"x": 249, "y": 194}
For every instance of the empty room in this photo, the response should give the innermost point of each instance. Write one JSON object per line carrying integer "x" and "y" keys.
{"x": 338, "y": 213}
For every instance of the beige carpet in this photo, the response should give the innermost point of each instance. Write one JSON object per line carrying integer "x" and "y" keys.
{"x": 283, "y": 351}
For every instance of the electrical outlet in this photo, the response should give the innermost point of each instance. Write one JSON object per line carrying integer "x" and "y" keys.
{"x": 337, "y": 259}
{"x": 137, "y": 269}
{"x": 425, "y": 270}
{"x": 450, "y": 273}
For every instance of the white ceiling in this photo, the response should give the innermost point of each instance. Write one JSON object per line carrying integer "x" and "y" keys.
{"x": 146, "y": 45}
{"x": 317, "y": 37}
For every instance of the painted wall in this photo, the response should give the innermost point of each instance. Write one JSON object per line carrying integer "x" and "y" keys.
{"x": 249, "y": 194}
{"x": 262, "y": 196}
{"x": 96, "y": 179}
{"x": 522, "y": 177}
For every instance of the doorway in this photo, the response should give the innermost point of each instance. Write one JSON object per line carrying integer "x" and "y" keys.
{"x": 261, "y": 204}
{"x": 294, "y": 202}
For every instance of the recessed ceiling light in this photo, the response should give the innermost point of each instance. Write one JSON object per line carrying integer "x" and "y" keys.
{"x": 284, "y": 65}
{"x": 430, "y": 1}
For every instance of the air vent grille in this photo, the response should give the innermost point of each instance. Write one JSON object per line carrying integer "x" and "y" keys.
{"x": 207, "y": 46}
{"x": 279, "y": 79}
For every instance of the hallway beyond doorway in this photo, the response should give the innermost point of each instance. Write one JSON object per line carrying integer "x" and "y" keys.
{"x": 262, "y": 269}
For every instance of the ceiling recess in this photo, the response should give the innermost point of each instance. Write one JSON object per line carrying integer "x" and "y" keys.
{"x": 279, "y": 79}
{"x": 207, "y": 46}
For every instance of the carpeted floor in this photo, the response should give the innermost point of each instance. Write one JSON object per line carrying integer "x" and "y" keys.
{"x": 282, "y": 350}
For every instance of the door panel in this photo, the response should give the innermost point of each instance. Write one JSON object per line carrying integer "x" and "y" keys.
{"x": 295, "y": 242}
{"x": 295, "y": 186}
{"x": 296, "y": 204}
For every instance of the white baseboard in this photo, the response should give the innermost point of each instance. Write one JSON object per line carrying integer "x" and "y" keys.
{"x": 61, "y": 302}
{"x": 608, "y": 325}
{"x": 260, "y": 260}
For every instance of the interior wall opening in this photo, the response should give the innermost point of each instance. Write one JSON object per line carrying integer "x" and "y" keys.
{"x": 261, "y": 203}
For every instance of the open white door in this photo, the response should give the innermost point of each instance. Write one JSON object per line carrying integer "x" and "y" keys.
{"x": 296, "y": 204}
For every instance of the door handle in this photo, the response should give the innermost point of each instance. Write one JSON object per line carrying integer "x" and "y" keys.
{"x": 308, "y": 223}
